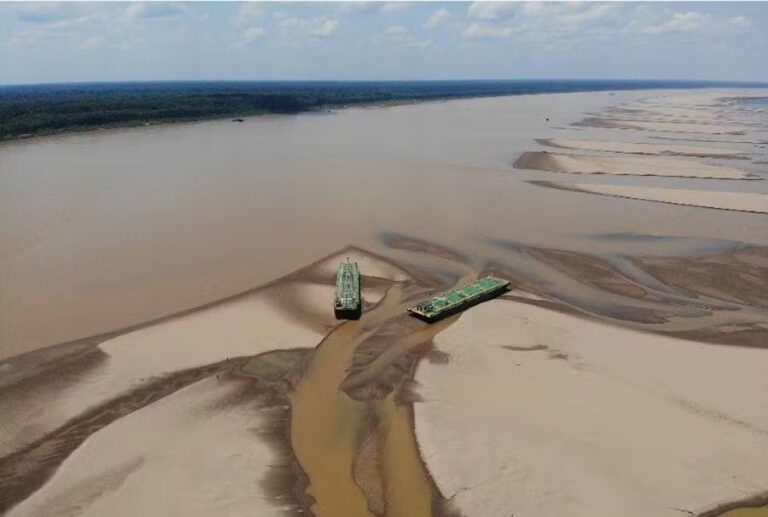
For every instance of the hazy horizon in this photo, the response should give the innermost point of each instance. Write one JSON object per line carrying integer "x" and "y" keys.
{"x": 663, "y": 82}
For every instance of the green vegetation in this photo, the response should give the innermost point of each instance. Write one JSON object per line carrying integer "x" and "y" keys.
{"x": 46, "y": 109}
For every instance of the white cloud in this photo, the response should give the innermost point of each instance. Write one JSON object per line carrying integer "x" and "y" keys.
{"x": 394, "y": 7}
{"x": 680, "y": 22}
{"x": 373, "y": 7}
{"x": 493, "y": 11}
{"x": 326, "y": 28}
{"x": 249, "y": 36}
{"x": 740, "y": 22}
{"x": 542, "y": 22}
{"x": 477, "y": 30}
{"x": 318, "y": 27}
{"x": 593, "y": 12}
{"x": 436, "y": 19}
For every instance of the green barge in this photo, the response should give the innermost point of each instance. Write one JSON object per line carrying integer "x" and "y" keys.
{"x": 459, "y": 299}
{"x": 347, "y": 302}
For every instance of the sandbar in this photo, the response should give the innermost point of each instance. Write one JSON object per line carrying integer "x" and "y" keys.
{"x": 536, "y": 412}
{"x": 622, "y": 166}
{"x": 738, "y": 201}
{"x": 639, "y": 148}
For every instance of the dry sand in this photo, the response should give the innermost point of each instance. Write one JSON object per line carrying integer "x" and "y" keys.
{"x": 538, "y": 413}
{"x": 738, "y": 201}
{"x": 227, "y": 330}
{"x": 640, "y": 148}
{"x": 195, "y": 452}
{"x": 583, "y": 164}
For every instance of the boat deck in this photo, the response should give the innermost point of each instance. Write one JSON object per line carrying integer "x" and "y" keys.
{"x": 460, "y": 299}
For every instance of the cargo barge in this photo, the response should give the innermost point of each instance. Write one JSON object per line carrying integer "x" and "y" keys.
{"x": 459, "y": 299}
{"x": 347, "y": 302}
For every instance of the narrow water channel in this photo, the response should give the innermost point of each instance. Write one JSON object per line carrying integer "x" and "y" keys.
{"x": 328, "y": 426}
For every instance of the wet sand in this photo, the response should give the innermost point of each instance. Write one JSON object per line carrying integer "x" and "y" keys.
{"x": 670, "y": 127}
{"x": 738, "y": 201}
{"x": 585, "y": 164}
{"x": 648, "y": 149}
{"x": 262, "y": 402}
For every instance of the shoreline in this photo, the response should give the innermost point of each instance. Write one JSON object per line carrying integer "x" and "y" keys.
{"x": 329, "y": 108}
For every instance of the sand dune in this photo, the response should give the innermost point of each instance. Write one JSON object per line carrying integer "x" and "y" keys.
{"x": 540, "y": 413}
{"x": 581, "y": 164}
{"x": 637, "y": 148}
{"x": 738, "y": 201}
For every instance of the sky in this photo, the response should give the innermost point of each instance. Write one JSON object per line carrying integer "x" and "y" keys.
{"x": 44, "y": 42}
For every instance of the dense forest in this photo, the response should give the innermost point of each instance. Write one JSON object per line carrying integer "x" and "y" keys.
{"x": 47, "y": 109}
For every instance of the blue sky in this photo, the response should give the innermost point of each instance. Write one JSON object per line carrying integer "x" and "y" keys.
{"x": 119, "y": 41}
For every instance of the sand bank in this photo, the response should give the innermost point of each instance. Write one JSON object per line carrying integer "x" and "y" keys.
{"x": 671, "y": 127}
{"x": 738, "y": 201}
{"x": 638, "y": 148}
{"x": 540, "y": 413}
{"x": 194, "y": 452}
{"x": 43, "y": 409}
{"x": 583, "y": 164}
{"x": 138, "y": 357}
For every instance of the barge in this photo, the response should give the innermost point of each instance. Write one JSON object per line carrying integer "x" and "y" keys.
{"x": 347, "y": 302}
{"x": 459, "y": 299}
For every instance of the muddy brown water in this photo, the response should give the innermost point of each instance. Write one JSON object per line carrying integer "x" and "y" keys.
{"x": 327, "y": 425}
{"x": 107, "y": 229}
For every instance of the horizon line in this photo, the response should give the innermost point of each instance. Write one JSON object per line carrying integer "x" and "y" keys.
{"x": 473, "y": 80}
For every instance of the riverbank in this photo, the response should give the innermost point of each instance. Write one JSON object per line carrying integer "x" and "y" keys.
{"x": 42, "y": 110}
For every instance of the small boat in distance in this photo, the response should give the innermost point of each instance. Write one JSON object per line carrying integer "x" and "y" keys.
{"x": 347, "y": 303}
{"x": 459, "y": 299}
{"x": 237, "y": 120}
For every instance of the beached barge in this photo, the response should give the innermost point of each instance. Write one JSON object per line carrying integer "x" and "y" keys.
{"x": 347, "y": 302}
{"x": 460, "y": 299}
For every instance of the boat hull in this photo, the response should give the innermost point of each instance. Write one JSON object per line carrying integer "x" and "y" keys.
{"x": 348, "y": 314}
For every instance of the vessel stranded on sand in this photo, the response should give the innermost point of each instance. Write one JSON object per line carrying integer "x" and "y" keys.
{"x": 459, "y": 299}
{"x": 347, "y": 303}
